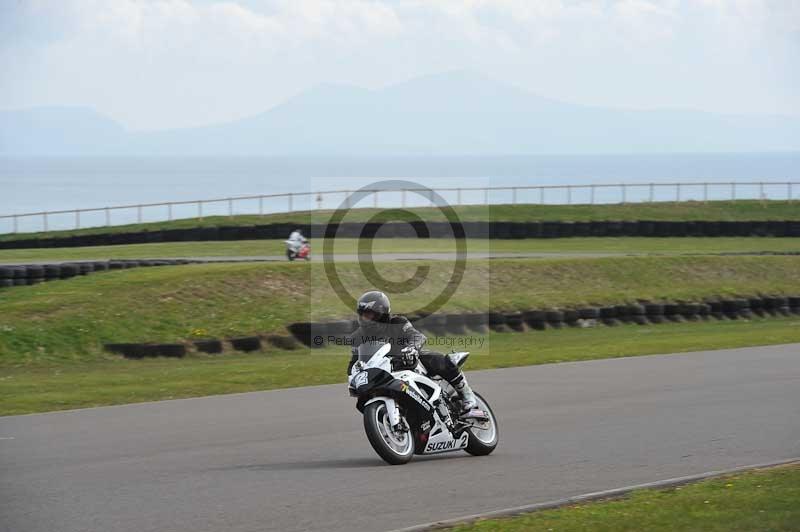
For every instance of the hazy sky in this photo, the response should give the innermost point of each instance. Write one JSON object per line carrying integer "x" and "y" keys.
{"x": 155, "y": 64}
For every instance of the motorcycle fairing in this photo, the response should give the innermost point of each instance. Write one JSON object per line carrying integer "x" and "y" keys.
{"x": 443, "y": 441}
{"x": 364, "y": 382}
{"x": 433, "y": 390}
{"x": 380, "y": 382}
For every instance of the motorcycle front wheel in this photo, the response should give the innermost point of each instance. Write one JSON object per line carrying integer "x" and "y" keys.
{"x": 394, "y": 447}
{"x": 482, "y": 441}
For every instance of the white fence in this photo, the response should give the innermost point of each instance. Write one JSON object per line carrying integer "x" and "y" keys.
{"x": 330, "y": 199}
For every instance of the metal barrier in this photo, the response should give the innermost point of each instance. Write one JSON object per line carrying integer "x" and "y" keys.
{"x": 290, "y": 202}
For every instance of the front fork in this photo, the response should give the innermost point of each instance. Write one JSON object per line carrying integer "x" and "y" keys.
{"x": 392, "y": 411}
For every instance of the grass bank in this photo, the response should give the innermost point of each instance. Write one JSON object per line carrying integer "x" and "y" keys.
{"x": 675, "y": 211}
{"x": 116, "y": 381}
{"x": 764, "y": 500}
{"x": 67, "y": 321}
{"x": 255, "y": 248}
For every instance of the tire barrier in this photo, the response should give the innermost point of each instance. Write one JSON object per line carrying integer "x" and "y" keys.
{"x": 166, "y": 350}
{"x": 671, "y": 312}
{"x": 622, "y": 313}
{"x": 435, "y": 324}
{"x": 635, "y": 313}
{"x": 515, "y": 322}
{"x": 336, "y": 332}
{"x": 287, "y": 343}
{"x": 608, "y": 315}
{"x": 554, "y": 318}
{"x": 716, "y": 310}
{"x": 211, "y": 347}
{"x": 69, "y": 270}
{"x": 246, "y": 344}
{"x": 456, "y": 324}
{"x": 571, "y": 317}
{"x": 535, "y": 319}
{"x": 38, "y": 273}
{"x": 6, "y": 272}
{"x": 498, "y": 230}
{"x": 134, "y": 351}
{"x": 654, "y": 312}
{"x": 477, "y": 322}
{"x": 690, "y": 311}
{"x": 757, "y": 306}
{"x": 782, "y": 304}
{"x": 497, "y": 322}
{"x": 138, "y": 351}
{"x": 34, "y": 271}
{"x": 640, "y": 313}
{"x": 52, "y": 271}
{"x": 302, "y": 332}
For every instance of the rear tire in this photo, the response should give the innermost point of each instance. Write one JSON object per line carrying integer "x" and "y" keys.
{"x": 482, "y": 442}
{"x": 377, "y": 428}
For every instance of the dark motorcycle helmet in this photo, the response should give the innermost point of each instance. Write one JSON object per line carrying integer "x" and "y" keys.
{"x": 373, "y": 309}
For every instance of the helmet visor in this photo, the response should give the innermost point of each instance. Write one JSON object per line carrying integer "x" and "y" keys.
{"x": 368, "y": 315}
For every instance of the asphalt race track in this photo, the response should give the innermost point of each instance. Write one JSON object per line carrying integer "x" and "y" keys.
{"x": 298, "y": 459}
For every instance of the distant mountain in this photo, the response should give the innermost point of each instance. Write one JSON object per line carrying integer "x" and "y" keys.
{"x": 59, "y": 131}
{"x": 456, "y": 113}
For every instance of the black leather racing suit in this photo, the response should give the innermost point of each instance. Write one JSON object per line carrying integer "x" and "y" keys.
{"x": 399, "y": 332}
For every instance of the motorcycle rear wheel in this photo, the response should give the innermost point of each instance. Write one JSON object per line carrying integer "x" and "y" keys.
{"x": 393, "y": 448}
{"x": 483, "y": 441}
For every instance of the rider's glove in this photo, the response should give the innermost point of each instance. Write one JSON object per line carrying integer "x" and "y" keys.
{"x": 408, "y": 356}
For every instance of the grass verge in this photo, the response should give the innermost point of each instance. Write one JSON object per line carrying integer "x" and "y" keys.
{"x": 117, "y": 381}
{"x": 676, "y": 211}
{"x": 255, "y": 248}
{"x": 761, "y": 500}
{"x": 67, "y": 321}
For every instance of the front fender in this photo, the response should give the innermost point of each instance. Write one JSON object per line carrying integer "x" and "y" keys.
{"x": 391, "y": 408}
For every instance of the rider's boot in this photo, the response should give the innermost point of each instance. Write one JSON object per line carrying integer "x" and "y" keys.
{"x": 469, "y": 404}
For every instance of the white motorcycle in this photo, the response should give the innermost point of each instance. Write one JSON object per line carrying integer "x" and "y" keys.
{"x": 406, "y": 412}
{"x": 298, "y": 250}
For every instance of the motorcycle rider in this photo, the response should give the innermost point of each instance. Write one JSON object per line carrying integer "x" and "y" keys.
{"x": 296, "y": 241}
{"x": 375, "y": 320}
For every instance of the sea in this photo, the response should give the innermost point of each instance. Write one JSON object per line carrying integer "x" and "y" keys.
{"x": 33, "y": 185}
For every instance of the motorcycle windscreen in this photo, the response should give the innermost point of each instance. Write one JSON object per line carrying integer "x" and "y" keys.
{"x": 367, "y": 350}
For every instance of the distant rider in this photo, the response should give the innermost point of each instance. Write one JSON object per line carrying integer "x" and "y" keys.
{"x": 375, "y": 320}
{"x": 296, "y": 241}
